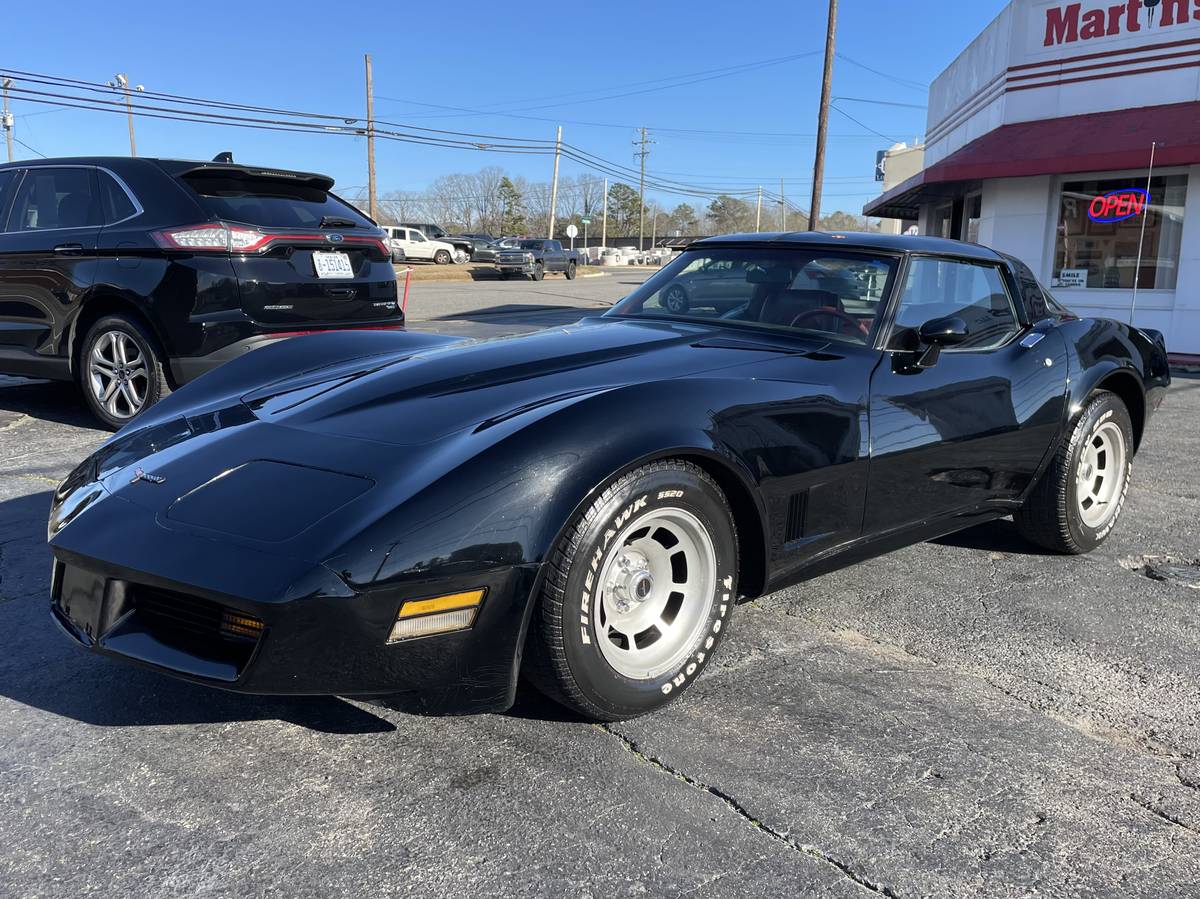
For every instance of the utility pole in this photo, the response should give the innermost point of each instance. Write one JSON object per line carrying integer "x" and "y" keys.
{"x": 758, "y": 212}
{"x": 554, "y": 183}
{"x": 372, "y": 199}
{"x": 7, "y": 120}
{"x": 121, "y": 82}
{"x": 604, "y": 227}
{"x": 782, "y": 208}
{"x": 654, "y": 228}
{"x": 643, "y": 153}
{"x": 814, "y": 214}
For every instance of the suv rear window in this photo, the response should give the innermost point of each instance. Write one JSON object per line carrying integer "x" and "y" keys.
{"x": 270, "y": 203}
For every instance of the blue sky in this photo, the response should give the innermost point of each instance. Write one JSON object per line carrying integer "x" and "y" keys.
{"x": 541, "y": 64}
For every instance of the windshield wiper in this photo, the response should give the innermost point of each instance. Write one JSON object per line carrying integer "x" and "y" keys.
{"x": 335, "y": 221}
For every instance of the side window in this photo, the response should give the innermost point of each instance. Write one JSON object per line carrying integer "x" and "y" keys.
{"x": 416, "y": 236}
{"x": 53, "y": 198}
{"x": 117, "y": 205}
{"x": 1031, "y": 292}
{"x": 7, "y": 178}
{"x": 974, "y": 292}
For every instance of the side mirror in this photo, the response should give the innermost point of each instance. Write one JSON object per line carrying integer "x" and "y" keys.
{"x": 949, "y": 330}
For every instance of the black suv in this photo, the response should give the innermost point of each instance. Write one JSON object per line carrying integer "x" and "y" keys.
{"x": 133, "y": 276}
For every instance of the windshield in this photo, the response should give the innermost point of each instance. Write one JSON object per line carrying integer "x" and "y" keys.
{"x": 835, "y": 294}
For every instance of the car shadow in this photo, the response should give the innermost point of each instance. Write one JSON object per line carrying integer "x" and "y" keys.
{"x": 56, "y": 401}
{"x": 1000, "y": 536}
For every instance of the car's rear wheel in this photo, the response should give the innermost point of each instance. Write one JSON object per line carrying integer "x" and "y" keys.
{"x": 636, "y": 595}
{"x": 1079, "y": 498}
{"x": 121, "y": 370}
{"x": 539, "y": 271}
{"x": 570, "y": 271}
{"x": 442, "y": 257}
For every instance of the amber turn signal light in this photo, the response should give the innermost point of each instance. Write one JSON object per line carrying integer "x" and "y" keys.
{"x": 436, "y": 615}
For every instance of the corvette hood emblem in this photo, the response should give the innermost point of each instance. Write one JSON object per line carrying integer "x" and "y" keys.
{"x": 142, "y": 475}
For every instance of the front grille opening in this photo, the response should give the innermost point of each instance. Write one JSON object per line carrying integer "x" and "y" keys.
{"x": 197, "y": 626}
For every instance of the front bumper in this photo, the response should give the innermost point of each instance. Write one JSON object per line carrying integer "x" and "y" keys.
{"x": 160, "y": 599}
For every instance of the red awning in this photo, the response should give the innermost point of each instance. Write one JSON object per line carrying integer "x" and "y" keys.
{"x": 1097, "y": 142}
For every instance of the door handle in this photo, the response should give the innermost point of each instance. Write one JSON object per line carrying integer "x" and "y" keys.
{"x": 69, "y": 249}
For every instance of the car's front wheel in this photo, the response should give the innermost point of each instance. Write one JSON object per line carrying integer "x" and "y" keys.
{"x": 637, "y": 594}
{"x": 1079, "y": 498}
{"x": 121, "y": 370}
{"x": 539, "y": 271}
{"x": 676, "y": 299}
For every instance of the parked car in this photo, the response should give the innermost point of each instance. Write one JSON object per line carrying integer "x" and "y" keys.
{"x": 461, "y": 246}
{"x": 431, "y": 516}
{"x": 537, "y": 257}
{"x": 483, "y": 250}
{"x": 413, "y": 246}
{"x": 133, "y": 276}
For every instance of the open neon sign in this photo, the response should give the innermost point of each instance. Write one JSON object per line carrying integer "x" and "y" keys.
{"x": 1118, "y": 205}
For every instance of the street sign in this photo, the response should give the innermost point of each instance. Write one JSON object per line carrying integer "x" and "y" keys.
{"x": 572, "y": 231}
{"x": 585, "y": 220}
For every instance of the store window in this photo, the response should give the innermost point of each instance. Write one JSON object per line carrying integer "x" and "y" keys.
{"x": 941, "y": 220}
{"x": 972, "y": 213}
{"x": 1100, "y": 225}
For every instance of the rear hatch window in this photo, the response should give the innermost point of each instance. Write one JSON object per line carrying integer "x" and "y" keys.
{"x": 272, "y": 202}
{"x": 282, "y": 286}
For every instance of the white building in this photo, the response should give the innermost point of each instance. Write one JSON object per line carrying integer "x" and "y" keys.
{"x": 1039, "y": 144}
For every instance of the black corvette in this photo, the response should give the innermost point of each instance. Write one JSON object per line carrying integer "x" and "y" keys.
{"x": 373, "y": 513}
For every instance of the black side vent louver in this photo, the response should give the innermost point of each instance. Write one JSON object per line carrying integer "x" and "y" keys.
{"x": 796, "y": 514}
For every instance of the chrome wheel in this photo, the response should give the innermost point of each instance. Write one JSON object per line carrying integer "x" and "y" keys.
{"x": 118, "y": 375}
{"x": 1100, "y": 476}
{"x": 656, "y": 590}
{"x": 461, "y": 257}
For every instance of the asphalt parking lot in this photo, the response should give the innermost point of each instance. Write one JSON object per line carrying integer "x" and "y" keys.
{"x": 968, "y": 717}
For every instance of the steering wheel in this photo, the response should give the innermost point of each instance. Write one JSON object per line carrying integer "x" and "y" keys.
{"x": 850, "y": 325}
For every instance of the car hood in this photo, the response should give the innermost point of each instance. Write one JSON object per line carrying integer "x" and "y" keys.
{"x": 428, "y": 395}
{"x": 346, "y": 443}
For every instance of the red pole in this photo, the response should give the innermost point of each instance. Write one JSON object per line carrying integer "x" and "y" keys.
{"x": 407, "y": 279}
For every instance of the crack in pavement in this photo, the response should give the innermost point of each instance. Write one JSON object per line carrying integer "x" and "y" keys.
{"x": 1159, "y": 813}
{"x": 844, "y": 868}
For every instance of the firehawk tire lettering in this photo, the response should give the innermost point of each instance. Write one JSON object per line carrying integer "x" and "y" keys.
{"x": 580, "y": 673}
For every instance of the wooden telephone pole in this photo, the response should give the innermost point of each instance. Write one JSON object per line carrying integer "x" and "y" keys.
{"x": 554, "y": 182}
{"x": 372, "y": 199}
{"x": 814, "y": 213}
{"x": 643, "y": 153}
{"x": 7, "y": 120}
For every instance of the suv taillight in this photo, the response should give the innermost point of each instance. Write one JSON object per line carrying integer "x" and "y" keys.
{"x": 222, "y": 237}
{"x": 219, "y": 238}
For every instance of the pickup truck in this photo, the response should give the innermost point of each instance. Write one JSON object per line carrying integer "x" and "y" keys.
{"x": 536, "y": 257}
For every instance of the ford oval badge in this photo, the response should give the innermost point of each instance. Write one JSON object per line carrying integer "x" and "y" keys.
{"x": 334, "y": 238}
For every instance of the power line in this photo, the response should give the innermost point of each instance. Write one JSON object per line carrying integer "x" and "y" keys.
{"x": 514, "y": 106}
{"x": 882, "y": 102}
{"x": 914, "y": 85}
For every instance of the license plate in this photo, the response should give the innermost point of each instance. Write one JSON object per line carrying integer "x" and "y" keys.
{"x": 332, "y": 265}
